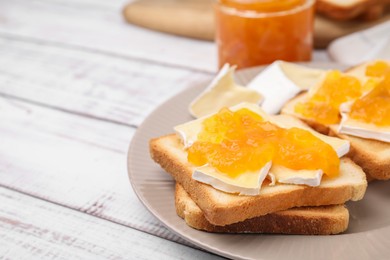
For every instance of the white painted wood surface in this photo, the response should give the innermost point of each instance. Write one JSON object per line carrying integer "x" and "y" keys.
{"x": 71, "y": 160}
{"x": 34, "y": 229}
{"x": 75, "y": 82}
{"x": 60, "y": 138}
{"x": 77, "y": 25}
{"x": 93, "y": 84}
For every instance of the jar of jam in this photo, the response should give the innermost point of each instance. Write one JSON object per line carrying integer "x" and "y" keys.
{"x": 256, "y": 32}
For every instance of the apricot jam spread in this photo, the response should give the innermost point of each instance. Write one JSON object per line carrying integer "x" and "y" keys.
{"x": 324, "y": 105}
{"x": 242, "y": 141}
{"x": 263, "y": 6}
{"x": 378, "y": 69}
{"x": 375, "y": 106}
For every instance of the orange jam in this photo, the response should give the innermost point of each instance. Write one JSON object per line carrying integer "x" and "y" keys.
{"x": 375, "y": 106}
{"x": 378, "y": 69}
{"x": 263, "y": 6}
{"x": 241, "y": 141}
{"x": 324, "y": 105}
{"x": 255, "y": 32}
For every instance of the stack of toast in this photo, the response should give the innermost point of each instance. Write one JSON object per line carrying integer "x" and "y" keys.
{"x": 304, "y": 220}
{"x": 287, "y": 209}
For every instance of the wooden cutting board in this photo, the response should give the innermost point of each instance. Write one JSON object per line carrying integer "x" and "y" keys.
{"x": 194, "y": 18}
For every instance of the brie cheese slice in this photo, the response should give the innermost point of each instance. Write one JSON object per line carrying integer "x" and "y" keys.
{"x": 307, "y": 177}
{"x": 222, "y": 92}
{"x": 248, "y": 183}
{"x": 271, "y": 177}
{"x": 361, "y": 129}
{"x": 303, "y": 77}
{"x": 281, "y": 81}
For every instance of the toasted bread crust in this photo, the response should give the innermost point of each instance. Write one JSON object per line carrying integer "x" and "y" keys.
{"x": 324, "y": 220}
{"x": 222, "y": 208}
{"x": 373, "y": 156}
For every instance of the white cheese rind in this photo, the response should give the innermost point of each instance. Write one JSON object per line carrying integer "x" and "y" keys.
{"x": 244, "y": 184}
{"x": 303, "y": 77}
{"x": 188, "y": 132}
{"x": 223, "y": 91}
{"x": 272, "y": 178}
{"x": 360, "y": 129}
{"x": 275, "y": 86}
{"x": 307, "y": 177}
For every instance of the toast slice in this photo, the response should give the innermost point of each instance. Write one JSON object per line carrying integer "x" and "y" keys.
{"x": 222, "y": 208}
{"x": 322, "y": 220}
{"x": 372, "y": 155}
{"x": 350, "y": 9}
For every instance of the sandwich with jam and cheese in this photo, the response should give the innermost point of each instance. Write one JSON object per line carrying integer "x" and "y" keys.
{"x": 242, "y": 170}
{"x": 354, "y": 106}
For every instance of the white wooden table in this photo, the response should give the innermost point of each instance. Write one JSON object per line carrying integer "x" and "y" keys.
{"x": 75, "y": 82}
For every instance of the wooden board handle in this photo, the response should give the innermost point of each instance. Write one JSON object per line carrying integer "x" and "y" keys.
{"x": 185, "y": 18}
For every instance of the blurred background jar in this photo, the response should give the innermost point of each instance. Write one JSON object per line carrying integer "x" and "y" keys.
{"x": 257, "y": 32}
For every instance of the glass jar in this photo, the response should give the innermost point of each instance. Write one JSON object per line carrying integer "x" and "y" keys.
{"x": 256, "y": 32}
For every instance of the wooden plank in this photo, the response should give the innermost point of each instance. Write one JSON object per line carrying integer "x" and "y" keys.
{"x": 104, "y": 30}
{"x": 73, "y": 161}
{"x": 97, "y": 85}
{"x": 32, "y": 228}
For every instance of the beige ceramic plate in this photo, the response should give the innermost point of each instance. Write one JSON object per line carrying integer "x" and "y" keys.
{"x": 368, "y": 235}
